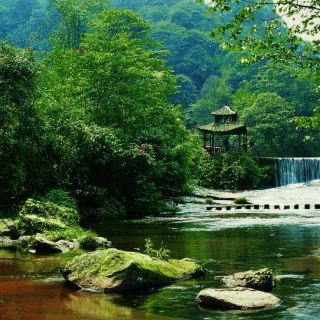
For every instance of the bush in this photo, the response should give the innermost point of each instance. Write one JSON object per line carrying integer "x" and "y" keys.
{"x": 61, "y": 198}
{"x": 209, "y": 201}
{"x": 233, "y": 171}
{"x": 88, "y": 241}
{"x": 241, "y": 200}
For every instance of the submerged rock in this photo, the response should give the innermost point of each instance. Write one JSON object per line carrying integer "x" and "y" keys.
{"x": 237, "y": 298}
{"x": 115, "y": 270}
{"x": 256, "y": 279}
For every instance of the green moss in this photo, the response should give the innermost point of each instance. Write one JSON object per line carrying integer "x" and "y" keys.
{"x": 115, "y": 270}
{"x": 31, "y": 224}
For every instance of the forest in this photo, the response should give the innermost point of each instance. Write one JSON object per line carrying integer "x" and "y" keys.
{"x": 102, "y": 100}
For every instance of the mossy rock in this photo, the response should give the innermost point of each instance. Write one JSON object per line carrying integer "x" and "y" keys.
{"x": 40, "y": 216}
{"x": 7, "y": 227}
{"x": 47, "y": 209}
{"x": 30, "y": 224}
{"x": 120, "y": 271}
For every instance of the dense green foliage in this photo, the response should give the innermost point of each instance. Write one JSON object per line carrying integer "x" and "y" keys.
{"x": 286, "y": 30}
{"x": 98, "y": 107}
{"x": 106, "y": 131}
{"x": 230, "y": 171}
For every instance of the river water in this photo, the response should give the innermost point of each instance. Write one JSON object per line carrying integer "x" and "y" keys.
{"x": 288, "y": 242}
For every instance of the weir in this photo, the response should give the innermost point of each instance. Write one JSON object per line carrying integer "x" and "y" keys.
{"x": 295, "y": 170}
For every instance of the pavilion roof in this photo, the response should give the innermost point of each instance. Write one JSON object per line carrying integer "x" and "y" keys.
{"x": 225, "y": 111}
{"x": 224, "y": 128}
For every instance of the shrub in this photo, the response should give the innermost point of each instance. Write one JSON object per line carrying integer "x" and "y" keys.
{"x": 61, "y": 198}
{"x": 209, "y": 201}
{"x": 88, "y": 240}
{"x": 241, "y": 200}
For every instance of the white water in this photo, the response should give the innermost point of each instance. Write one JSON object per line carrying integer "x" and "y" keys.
{"x": 195, "y": 216}
{"x": 296, "y": 170}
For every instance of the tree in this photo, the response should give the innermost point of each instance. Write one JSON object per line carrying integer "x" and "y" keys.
{"x": 116, "y": 138}
{"x": 286, "y": 31}
{"x": 271, "y": 127}
{"x": 74, "y": 17}
{"x": 20, "y": 133}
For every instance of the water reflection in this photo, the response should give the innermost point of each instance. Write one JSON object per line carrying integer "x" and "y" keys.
{"x": 292, "y": 250}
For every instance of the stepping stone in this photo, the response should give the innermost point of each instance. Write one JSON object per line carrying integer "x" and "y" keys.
{"x": 307, "y": 206}
{"x": 237, "y": 298}
{"x": 286, "y": 207}
{"x": 296, "y": 207}
{"x": 317, "y": 206}
{"x": 277, "y": 207}
{"x": 256, "y": 207}
{"x": 267, "y": 206}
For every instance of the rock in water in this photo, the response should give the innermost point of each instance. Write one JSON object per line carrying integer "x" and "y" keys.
{"x": 237, "y": 298}
{"x": 43, "y": 246}
{"x": 256, "y": 279}
{"x": 115, "y": 270}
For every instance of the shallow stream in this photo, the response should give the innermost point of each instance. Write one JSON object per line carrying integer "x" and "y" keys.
{"x": 288, "y": 242}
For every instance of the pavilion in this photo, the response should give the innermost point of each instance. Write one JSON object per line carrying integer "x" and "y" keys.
{"x": 224, "y": 134}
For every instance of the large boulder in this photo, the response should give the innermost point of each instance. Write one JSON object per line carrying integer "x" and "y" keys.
{"x": 115, "y": 270}
{"x": 237, "y": 298}
{"x": 39, "y": 216}
{"x": 256, "y": 279}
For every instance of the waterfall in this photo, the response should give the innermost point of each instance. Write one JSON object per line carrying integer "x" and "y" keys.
{"x": 295, "y": 170}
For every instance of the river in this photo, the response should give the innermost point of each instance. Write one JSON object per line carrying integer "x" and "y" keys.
{"x": 288, "y": 242}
